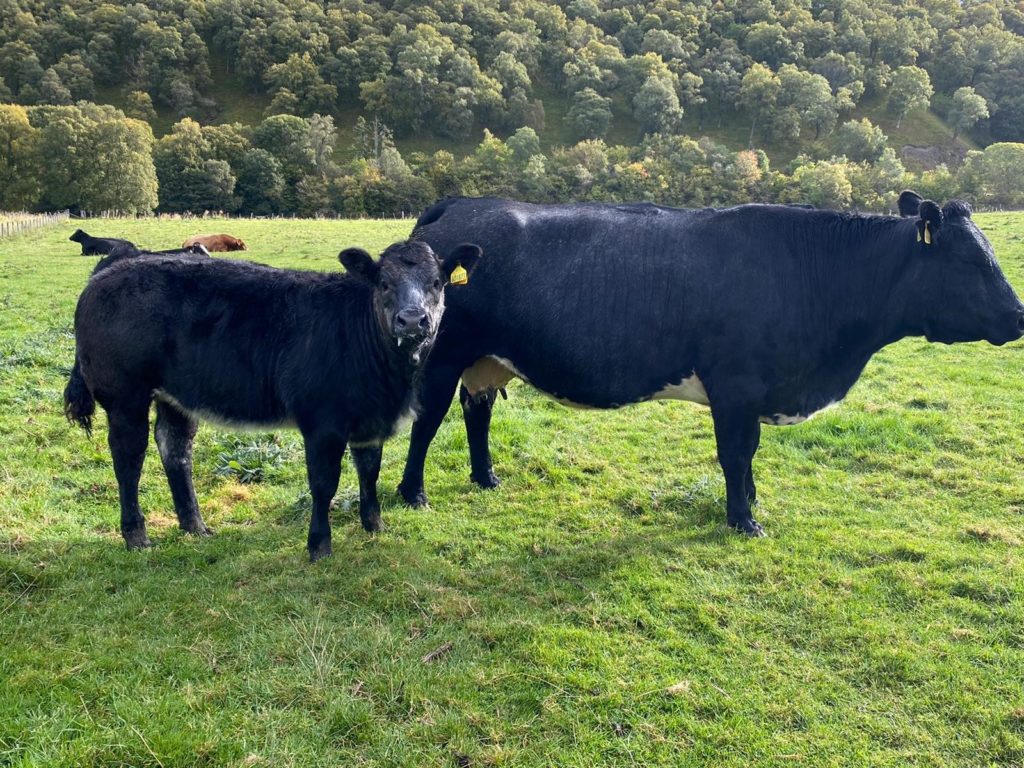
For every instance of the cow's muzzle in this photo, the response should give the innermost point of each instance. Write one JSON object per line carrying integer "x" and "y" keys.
{"x": 410, "y": 323}
{"x": 1010, "y": 329}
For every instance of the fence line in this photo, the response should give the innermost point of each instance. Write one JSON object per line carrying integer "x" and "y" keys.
{"x": 15, "y": 223}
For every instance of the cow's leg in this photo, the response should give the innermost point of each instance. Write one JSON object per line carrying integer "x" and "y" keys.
{"x": 737, "y": 432}
{"x": 476, "y": 411}
{"x": 174, "y": 433}
{"x": 323, "y": 465}
{"x": 436, "y": 392}
{"x": 751, "y": 488}
{"x": 367, "y": 461}
{"x": 127, "y": 435}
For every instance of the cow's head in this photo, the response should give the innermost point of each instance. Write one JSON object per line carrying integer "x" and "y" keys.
{"x": 408, "y": 287}
{"x": 237, "y": 244}
{"x": 78, "y": 236}
{"x": 966, "y": 297}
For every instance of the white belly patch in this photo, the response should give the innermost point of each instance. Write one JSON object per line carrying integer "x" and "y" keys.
{"x": 489, "y": 373}
{"x": 785, "y": 420}
{"x": 690, "y": 388}
{"x": 221, "y": 421}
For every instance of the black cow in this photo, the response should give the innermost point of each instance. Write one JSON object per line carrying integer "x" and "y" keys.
{"x": 122, "y": 252}
{"x": 766, "y": 313}
{"x": 97, "y": 246}
{"x": 242, "y": 343}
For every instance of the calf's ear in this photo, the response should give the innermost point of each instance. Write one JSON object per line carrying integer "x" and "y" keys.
{"x": 459, "y": 264}
{"x": 358, "y": 262}
{"x": 929, "y": 222}
{"x": 909, "y": 203}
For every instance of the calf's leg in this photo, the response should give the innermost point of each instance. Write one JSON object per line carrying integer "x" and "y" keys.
{"x": 737, "y": 433}
{"x": 127, "y": 435}
{"x": 323, "y": 465}
{"x": 436, "y": 391}
{"x": 174, "y": 433}
{"x": 476, "y": 412}
{"x": 751, "y": 488}
{"x": 367, "y": 461}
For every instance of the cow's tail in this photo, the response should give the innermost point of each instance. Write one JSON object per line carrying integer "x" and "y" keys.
{"x": 79, "y": 404}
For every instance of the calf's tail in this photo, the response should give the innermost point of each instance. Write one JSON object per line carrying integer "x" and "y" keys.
{"x": 79, "y": 405}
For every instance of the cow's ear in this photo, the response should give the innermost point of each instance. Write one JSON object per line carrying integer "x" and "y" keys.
{"x": 358, "y": 262}
{"x": 929, "y": 222}
{"x": 956, "y": 210}
{"x": 909, "y": 203}
{"x": 459, "y": 264}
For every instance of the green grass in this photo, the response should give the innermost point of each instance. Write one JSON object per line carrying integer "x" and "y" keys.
{"x": 598, "y": 609}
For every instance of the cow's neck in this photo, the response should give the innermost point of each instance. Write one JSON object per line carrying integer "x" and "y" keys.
{"x": 868, "y": 287}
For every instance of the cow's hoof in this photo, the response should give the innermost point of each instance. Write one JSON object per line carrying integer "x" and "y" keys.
{"x": 488, "y": 481}
{"x": 371, "y": 525}
{"x": 750, "y": 527}
{"x": 320, "y": 551}
{"x": 196, "y": 528}
{"x": 136, "y": 539}
{"x": 414, "y": 498}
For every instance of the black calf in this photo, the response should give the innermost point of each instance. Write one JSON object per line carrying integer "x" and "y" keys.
{"x": 96, "y": 246}
{"x": 240, "y": 343}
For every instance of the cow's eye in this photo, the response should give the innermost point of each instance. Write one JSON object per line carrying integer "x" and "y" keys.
{"x": 437, "y": 284}
{"x": 385, "y": 286}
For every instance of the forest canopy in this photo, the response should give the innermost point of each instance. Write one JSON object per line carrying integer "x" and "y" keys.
{"x": 453, "y": 65}
{"x": 785, "y": 71}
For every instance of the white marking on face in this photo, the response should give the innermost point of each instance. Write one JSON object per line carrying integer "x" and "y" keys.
{"x": 690, "y": 388}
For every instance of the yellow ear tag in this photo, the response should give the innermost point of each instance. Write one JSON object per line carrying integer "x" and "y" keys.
{"x": 927, "y": 234}
{"x": 459, "y": 276}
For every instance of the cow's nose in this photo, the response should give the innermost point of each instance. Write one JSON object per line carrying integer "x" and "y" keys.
{"x": 411, "y": 322}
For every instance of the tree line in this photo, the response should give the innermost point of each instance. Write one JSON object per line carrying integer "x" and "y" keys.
{"x": 94, "y": 158}
{"x": 786, "y": 68}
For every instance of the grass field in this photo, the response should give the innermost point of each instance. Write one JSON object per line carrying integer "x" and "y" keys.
{"x": 598, "y": 611}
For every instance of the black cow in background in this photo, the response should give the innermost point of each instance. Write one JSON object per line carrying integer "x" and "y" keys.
{"x": 98, "y": 246}
{"x": 122, "y": 252}
{"x": 246, "y": 344}
{"x": 767, "y": 314}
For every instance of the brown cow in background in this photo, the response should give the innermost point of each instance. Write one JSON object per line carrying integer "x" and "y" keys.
{"x": 215, "y": 243}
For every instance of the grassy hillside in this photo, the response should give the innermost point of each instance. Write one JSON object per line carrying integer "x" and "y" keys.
{"x": 599, "y": 612}
{"x": 237, "y": 103}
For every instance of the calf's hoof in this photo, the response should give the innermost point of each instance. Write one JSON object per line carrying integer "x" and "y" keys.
{"x": 320, "y": 550}
{"x": 488, "y": 481}
{"x": 196, "y": 528}
{"x": 136, "y": 538}
{"x": 750, "y": 527}
{"x": 413, "y": 497}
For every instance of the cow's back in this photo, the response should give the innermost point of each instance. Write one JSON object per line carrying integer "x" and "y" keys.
{"x": 599, "y": 304}
{"x": 204, "y": 329}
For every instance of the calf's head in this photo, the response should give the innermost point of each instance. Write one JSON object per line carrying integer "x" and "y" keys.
{"x": 964, "y": 295}
{"x": 408, "y": 287}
